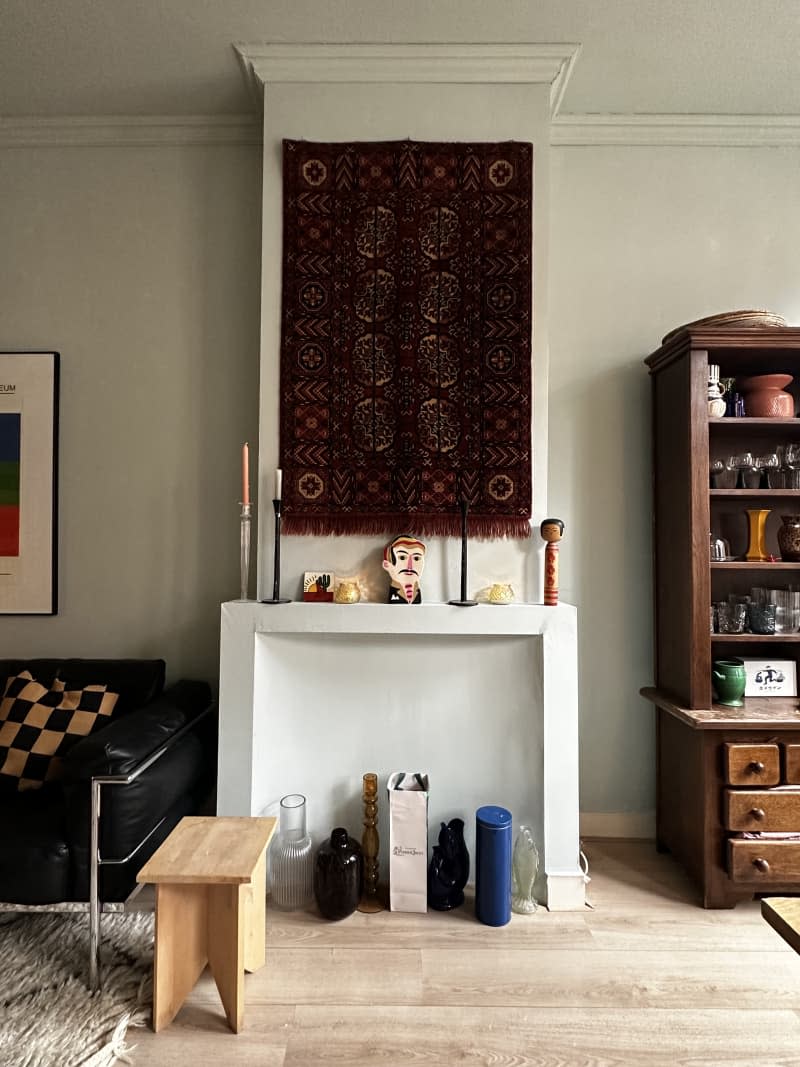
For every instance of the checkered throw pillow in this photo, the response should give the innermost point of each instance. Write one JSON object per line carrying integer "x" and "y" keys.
{"x": 38, "y": 725}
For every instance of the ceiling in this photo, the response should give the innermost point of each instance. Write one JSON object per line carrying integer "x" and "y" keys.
{"x": 176, "y": 57}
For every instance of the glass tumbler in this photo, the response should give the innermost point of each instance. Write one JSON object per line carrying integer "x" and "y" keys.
{"x": 291, "y": 860}
{"x": 761, "y": 618}
{"x": 787, "y": 610}
{"x": 731, "y": 617}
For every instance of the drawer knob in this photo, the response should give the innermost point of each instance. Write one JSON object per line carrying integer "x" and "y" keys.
{"x": 756, "y": 766}
{"x": 757, "y": 813}
{"x": 761, "y": 864}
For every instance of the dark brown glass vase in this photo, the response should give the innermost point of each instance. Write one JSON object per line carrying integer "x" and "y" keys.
{"x": 338, "y": 875}
{"x": 789, "y": 538}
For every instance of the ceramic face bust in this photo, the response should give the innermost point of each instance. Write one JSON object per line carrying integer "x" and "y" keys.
{"x": 404, "y": 561}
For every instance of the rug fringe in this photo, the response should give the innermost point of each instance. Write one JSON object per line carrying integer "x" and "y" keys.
{"x": 115, "y": 1050}
{"x": 479, "y": 527}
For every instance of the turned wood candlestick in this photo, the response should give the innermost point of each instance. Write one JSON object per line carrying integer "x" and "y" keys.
{"x": 370, "y": 843}
{"x": 552, "y": 531}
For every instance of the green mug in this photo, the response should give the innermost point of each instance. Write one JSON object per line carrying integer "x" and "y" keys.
{"x": 729, "y": 679}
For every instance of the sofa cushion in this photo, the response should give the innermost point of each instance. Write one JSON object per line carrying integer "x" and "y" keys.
{"x": 38, "y": 726}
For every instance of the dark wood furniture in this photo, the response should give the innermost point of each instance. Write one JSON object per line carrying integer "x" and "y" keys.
{"x": 721, "y": 771}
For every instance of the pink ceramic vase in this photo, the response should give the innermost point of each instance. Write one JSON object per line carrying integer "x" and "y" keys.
{"x": 764, "y": 396}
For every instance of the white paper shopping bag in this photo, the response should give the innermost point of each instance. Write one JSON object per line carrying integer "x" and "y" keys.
{"x": 408, "y": 841}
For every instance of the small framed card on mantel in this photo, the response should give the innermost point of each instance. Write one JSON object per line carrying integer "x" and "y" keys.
{"x": 318, "y": 586}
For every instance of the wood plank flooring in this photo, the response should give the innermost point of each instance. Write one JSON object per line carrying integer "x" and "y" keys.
{"x": 644, "y": 977}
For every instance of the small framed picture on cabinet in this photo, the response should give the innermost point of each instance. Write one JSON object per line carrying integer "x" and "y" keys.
{"x": 770, "y": 678}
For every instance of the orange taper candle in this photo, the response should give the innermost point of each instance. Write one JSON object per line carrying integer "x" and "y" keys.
{"x": 245, "y": 473}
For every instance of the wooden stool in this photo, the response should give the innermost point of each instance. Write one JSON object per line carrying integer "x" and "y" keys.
{"x": 210, "y": 878}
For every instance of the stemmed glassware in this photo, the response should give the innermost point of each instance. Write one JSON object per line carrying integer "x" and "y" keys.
{"x": 764, "y": 465}
{"x": 716, "y": 468}
{"x": 740, "y": 464}
{"x": 792, "y": 460}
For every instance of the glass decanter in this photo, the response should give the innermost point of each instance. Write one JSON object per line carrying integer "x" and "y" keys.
{"x": 291, "y": 861}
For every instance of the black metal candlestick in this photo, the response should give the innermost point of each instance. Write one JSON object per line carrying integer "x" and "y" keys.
{"x": 276, "y": 570}
{"x": 463, "y": 602}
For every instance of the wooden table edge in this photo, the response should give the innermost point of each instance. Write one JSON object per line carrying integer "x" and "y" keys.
{"x": 149, "y": 877}
{"x": 779, "y": 923}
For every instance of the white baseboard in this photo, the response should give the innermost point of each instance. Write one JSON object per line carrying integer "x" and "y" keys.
{"x": 640, "y": 824}
{"x": 566, "y": 891}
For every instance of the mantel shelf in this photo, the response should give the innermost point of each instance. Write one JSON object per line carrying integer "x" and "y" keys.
{"x": 445, "y": 620}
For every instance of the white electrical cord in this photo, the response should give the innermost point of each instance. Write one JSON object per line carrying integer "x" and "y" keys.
{"x": 584, "y": 865}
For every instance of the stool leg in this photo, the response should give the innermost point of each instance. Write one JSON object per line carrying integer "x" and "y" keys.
{"x": 226, "y": 923}
{"x": 180, "y": 950}
{"x": 255, "y": 904}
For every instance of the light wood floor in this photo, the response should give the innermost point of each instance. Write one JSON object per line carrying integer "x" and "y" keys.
{"x": 646, "y": 977}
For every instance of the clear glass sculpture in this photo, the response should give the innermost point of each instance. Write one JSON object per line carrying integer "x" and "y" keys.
{"x": 524, "y": 868}
{"x": 291, "y": 861}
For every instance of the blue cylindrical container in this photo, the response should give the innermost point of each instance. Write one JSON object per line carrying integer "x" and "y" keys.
{"x": 493, "y": 827}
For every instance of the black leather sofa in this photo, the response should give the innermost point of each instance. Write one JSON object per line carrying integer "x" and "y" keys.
{"x": 46, "y": 834}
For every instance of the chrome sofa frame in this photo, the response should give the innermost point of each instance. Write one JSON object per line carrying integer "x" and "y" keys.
{"x": 94, "y": 906}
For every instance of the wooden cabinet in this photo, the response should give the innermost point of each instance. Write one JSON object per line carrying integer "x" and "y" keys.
{"x": 716, "y": 787}
{"x": 722, "y": 772}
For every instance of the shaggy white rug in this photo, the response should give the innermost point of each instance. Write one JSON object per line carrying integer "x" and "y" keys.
{"x": 48, "y": 1017}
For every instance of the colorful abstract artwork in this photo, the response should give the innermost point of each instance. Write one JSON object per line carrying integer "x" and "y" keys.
{"x": 28, "y": 491}
{"x": 10, "y": 426}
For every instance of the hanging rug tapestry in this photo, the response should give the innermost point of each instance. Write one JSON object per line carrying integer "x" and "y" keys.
{"x": 406, "y": 337}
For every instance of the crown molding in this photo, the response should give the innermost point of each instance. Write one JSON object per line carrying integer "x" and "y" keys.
{"x": 112, "y": 131}
{"x": 486, "y": 64}
{"x": 703, "y": 131}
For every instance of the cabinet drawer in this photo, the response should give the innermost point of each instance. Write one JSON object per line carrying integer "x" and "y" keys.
{"x": 764, "y": 862}
{"x": 760, "y": 809}
{"x": 751, "y": 764}
{"x": 791, "y": 764}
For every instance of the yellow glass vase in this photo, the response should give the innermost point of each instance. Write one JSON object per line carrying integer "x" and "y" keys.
{"x": 756, "y": 539}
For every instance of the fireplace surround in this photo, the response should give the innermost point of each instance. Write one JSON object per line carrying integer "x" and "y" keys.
{"x": 484, "y": 701}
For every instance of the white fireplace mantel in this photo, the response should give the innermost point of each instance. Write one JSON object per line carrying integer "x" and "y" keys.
{"x": 484, "y": 699}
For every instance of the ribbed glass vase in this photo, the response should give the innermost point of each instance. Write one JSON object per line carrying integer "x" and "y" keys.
{"x": 291, "y": 861}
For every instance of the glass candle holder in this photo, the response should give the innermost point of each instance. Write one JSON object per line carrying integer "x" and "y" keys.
{"x": 244, "y": 542}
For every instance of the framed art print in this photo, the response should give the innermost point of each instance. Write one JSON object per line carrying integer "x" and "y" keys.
{"x": 28, "y": 472}
{"x": 770, "y": 677}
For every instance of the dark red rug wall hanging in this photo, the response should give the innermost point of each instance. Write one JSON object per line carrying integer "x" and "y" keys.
{"x": 406, "y": 337}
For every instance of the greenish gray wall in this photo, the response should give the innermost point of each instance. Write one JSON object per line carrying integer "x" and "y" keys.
{"x": 141, "y": 266}
{"x": 642, "y": 239}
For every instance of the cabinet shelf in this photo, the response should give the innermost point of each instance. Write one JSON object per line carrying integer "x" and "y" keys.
{"x": 778, "y": 423}
{"x": 769, "y": 639}
{"x": 747, "y": 565}
{"x": 754, "y": 494}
